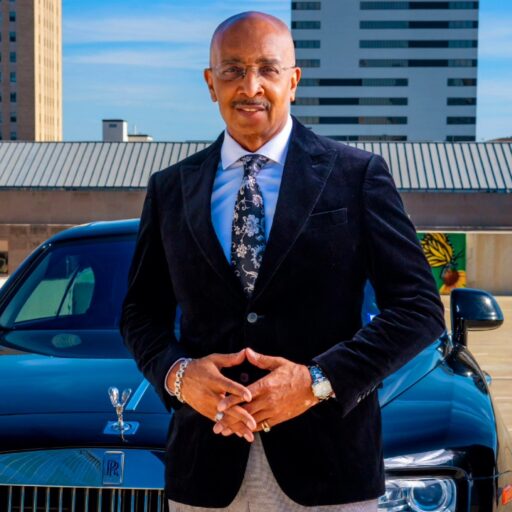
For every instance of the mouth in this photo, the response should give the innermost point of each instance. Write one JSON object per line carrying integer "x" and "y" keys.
{"x": 250, "y": 107}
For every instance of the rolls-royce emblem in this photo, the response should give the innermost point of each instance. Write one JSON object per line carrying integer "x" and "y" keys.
{"x": 113, "y": 393}
{"x": 113, "y": 468}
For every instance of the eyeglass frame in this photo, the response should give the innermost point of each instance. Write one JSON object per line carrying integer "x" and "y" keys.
{"x": 246, "y": 68}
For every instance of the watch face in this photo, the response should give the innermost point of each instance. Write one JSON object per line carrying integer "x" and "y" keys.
{"x": 322, "y": 389}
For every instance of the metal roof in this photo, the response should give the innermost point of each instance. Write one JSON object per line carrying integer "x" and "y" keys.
{"x": 422, "y": 166}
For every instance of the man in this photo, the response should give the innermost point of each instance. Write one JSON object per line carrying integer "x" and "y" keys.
{"x": 265, "y": 241}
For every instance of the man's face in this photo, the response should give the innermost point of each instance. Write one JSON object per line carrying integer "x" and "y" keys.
{"x": 255, "y": 106}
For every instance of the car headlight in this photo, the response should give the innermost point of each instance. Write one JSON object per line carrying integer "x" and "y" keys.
{"x": 419, "y": 495}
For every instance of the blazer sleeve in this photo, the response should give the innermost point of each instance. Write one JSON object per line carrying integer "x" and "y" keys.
{"x": 411, "y": 313}
{"x": 149, "y": 308}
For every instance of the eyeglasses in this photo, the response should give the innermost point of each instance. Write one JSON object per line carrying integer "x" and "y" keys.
{"x": 230, "y": 72}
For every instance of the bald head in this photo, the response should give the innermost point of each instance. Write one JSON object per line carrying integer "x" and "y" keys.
{"x": 241, "y": 28}
{"x": 252, "y": 76}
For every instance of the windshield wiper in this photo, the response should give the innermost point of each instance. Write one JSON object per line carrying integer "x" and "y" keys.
{"x": 4, "y": 328}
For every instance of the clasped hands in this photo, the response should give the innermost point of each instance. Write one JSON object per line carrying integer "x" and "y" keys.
{"x": 284, "y": 393}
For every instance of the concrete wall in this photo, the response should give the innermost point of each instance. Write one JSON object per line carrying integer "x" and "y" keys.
{"x": 473, "y": 211}
{"x": 22, "y": 239}
{"x": 489, "y": 262}
{"x": 28, "y": 217}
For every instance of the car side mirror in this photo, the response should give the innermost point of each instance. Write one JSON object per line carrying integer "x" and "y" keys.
{"x": 472, "y": 309}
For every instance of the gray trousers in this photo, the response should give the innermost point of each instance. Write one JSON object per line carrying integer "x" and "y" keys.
{"x": 260, "y": 492}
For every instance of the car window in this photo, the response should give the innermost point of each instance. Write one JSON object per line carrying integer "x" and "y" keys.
{"x": 74, "y": 287}
{"x": 54, "y": 296}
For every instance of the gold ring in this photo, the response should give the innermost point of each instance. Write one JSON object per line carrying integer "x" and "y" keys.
{"x": 265, "y": 426}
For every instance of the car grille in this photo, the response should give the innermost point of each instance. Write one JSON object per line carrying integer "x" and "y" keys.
{"x": 15, "y": 498}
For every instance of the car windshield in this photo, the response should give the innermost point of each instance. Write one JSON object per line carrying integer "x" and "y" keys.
{"x": 69, "y": 304}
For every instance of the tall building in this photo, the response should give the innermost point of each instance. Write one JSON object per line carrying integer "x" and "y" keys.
{"x": 387, "y": 70}
{"x": 31, "y": 70}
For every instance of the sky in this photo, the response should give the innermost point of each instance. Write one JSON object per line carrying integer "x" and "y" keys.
{"x": 143, "y": 62}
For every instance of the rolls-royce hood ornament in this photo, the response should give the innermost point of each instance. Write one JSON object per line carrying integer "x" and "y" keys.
{"x": 119, "y": 427}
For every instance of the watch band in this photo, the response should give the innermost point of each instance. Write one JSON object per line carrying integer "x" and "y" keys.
{"x": 321, "y": 385}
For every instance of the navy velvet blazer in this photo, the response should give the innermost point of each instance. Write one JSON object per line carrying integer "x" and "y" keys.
{"x": 339, "y": 220}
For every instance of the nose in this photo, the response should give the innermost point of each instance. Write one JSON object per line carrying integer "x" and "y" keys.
{"x": 251, "y": 82}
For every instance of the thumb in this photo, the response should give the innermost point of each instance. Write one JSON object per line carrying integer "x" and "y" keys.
{"x": 225, "y": 360}
{"x": 263, "y": 361}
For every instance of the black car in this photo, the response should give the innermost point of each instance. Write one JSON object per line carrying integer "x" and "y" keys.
{"x": 70, "y": 442}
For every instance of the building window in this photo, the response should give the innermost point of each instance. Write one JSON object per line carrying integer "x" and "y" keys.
{"x": 460, "y": 101}
{"x": 12, "y": 56}
{"x": 13, "y": 135}
{"x": 311, "y": 43}
{"x": 12, "y": 16}
{"x": 12, "y": 37}
{"x": 460, "y": 138}
{"x": 418, "y": 5}
{"x": 306, "y": 24}
{"x": 306, "y": 6}
{"x": 417, "y": 63}
{"x": 470, "y": 43}
{"x": 4, "y": 257}
{"x": 461, "y": 120}
{"x": 351, "y": 101}
{"x": 369, "y": 138}
{"x": 417, "y": 24}
{"x": 13, "y": 97}
{"x": 352, "y": 120}
{"x": 308, "y": 63}
{"x": 13, "y": 117}
{"x": 461, "y": 82}
{"x": 354, "y": 82}
{"x": 12, "y": 77}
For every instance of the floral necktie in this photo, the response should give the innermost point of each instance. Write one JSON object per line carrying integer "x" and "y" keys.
{"x": 248, "y": 230}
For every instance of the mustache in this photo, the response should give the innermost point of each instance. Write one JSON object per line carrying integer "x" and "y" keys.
{"x": 251, "y": 103}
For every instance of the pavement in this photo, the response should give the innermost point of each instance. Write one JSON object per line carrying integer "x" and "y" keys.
{"x": 493, "y": 351}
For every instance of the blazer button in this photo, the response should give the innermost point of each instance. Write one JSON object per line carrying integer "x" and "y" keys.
{"x": 244, "y": 377}
{"x": 252, "y": 317}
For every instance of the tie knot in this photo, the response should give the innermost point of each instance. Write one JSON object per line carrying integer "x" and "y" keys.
{"x": 253, "y": 164}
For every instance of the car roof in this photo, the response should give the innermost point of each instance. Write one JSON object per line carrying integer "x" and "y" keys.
{"x": 96, "y": 229}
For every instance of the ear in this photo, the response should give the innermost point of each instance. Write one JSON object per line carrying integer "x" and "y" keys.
{"x": 294, "y": 82}
{"x": 208, "y": 78}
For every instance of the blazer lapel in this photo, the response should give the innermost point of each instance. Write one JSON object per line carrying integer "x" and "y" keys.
{"x": 307, "y": 167}
{"x": 197, "y": 185}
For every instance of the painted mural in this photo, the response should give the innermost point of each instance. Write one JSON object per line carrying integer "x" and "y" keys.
{"x": 446, "y": 254}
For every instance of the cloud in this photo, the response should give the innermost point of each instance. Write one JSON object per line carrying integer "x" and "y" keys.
{"x": 185, "y": 58}
{"x": 163, "y": 28}
{"x": 495, "y": 90}
{"x": 164, "y": 25}
{"x": 495, "y": 38}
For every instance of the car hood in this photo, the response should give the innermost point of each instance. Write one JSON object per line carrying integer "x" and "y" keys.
{"x": 37, "y": 384}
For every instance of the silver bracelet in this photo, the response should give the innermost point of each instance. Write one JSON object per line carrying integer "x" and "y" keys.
{"x": 179, "y": 378}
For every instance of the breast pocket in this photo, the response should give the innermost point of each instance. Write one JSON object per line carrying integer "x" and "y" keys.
{"x": 327, "y": 219}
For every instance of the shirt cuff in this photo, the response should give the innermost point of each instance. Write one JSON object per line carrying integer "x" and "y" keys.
{"x": 167, "y": 375}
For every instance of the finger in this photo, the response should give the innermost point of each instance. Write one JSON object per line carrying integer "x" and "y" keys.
{"x": 230, "y": 401}
{"x": 236, "y": 428}
{"x": 226, "y": 385}
{"x": 270, "y": 421}
{"x": 225, "y": 360}
{"x": 255, "y": 407}
{"x": 263, "y": 361}
{"x": 238, "y": 413}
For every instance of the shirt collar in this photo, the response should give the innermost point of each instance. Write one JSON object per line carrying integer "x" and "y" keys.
{"x": 275, "y": 149}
